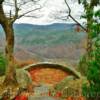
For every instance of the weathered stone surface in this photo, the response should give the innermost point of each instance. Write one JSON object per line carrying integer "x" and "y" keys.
{"x": 60, "y": 86}
{"x": 23, "y": 77}
{"x": 43, "y": 88}
{"x": 42, "y": 98}
{"x": 58, "y": 65}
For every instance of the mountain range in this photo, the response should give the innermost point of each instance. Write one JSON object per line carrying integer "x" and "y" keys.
{"x": 55, "y": 41}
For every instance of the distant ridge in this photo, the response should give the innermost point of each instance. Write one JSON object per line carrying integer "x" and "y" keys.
{"x": 52, "y": 34}
{"x": 57, "y": 26}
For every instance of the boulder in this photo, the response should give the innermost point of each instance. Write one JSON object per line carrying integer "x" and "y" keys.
{"x": 23, "y": 77}
{"x": 42, "y": 89}
{"x": 41, "y": 98}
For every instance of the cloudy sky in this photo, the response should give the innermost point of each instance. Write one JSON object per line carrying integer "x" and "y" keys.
{"x": 51, "y": 8}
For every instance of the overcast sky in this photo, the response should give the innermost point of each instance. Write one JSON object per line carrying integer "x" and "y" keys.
{"x": 45, "y": 15}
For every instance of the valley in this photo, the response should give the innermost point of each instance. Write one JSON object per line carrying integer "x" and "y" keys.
{"x": 40, "y": 42}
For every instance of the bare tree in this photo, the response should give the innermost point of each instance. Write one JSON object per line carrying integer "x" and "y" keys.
{"x": 7, "y": 20}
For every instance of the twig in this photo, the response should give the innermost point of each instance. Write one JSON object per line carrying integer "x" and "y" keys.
{"x": 28, "y": 12}
{"x": 69, "y": 14}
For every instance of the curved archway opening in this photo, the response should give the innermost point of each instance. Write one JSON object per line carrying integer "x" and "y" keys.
{"x": 49, "y": 73}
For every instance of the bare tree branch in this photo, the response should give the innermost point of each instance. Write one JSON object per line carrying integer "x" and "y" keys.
{"x": 60, "y": 15}
{"x": 69, "y": 14}
{"x": 24, "y": 3}
{"x": 17, "y": 6}
{"x": 32, "y": 16}
{"x": 28, "y": 12}
{"x": 16, "y": 10}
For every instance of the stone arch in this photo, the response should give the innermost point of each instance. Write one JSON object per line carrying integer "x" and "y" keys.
{"x": 62, "y": 67}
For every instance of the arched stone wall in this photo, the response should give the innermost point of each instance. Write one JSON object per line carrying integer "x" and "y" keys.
{"x": 64, "y": 68}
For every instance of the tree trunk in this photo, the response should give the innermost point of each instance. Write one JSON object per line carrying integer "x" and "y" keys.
{"x": 89, "y": 30}
{"x": 9, "y": 50}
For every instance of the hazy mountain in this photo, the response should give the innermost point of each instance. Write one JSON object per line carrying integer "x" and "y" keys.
{"x": 59, "y": 41}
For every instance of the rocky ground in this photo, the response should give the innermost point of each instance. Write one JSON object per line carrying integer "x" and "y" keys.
{"x": 44, "y": 91}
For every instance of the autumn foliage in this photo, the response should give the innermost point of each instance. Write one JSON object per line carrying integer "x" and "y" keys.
{"x": 47, "y": 75}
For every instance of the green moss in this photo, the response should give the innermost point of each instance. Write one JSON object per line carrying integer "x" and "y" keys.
{"x": 2, "y": 64}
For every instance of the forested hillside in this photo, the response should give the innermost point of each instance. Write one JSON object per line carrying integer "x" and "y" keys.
{"x": 61, "y": 41}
